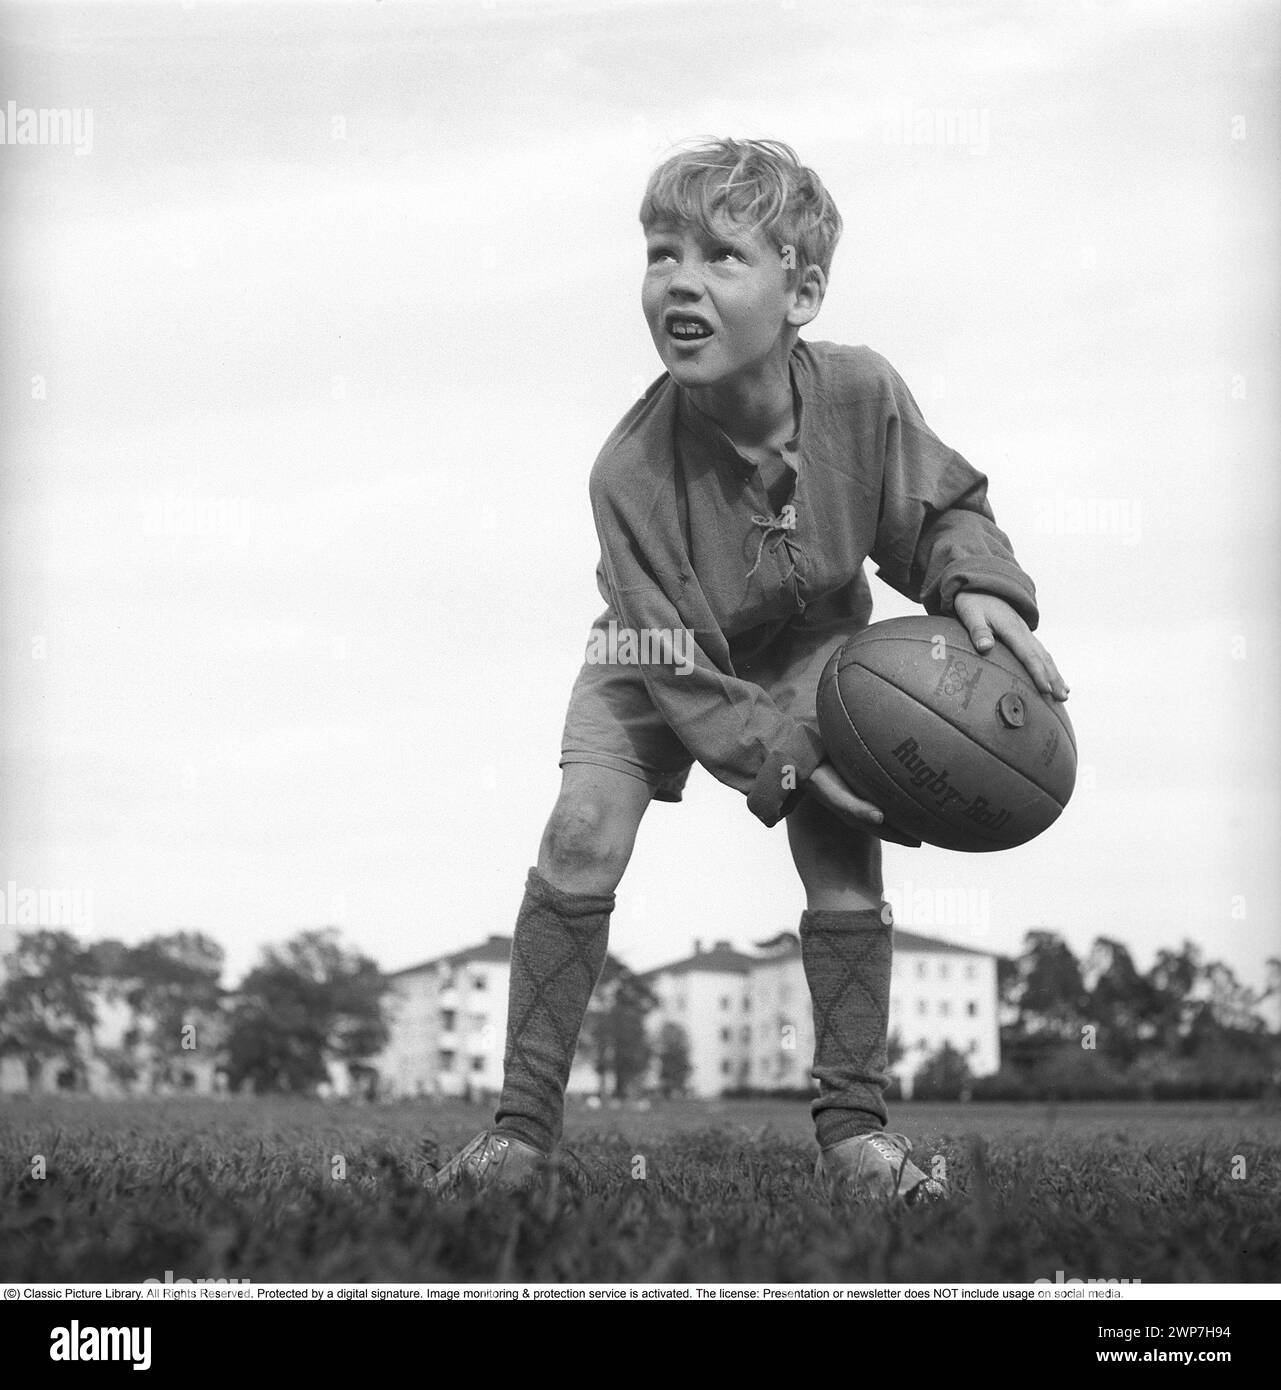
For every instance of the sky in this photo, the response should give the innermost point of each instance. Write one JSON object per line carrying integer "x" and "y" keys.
{"x": 311, "y": 338}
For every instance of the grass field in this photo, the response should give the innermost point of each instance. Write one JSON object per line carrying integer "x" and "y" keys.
{"x": 236, "y": 1189}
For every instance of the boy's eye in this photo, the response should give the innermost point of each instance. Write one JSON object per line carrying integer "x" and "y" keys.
{"x": 715, "y": 253}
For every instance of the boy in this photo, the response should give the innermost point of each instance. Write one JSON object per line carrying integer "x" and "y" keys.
{"x": 735, "y": 504}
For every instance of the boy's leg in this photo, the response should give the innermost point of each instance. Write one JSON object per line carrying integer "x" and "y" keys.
{"x": 846, "y": 952}
{"x": 562, "y": 930}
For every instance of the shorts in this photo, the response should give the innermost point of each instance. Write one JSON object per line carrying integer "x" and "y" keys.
{"x": 612, "y": 721}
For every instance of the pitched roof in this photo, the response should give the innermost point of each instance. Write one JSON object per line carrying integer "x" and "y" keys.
{"x": 914, "y": 941}
{"x": 722, "y": 959}
{"x": 496, "y": 950}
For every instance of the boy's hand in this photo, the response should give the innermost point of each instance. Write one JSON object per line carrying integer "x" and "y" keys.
{"x": 828, "y": 787}
{"x": 985, "y": 616}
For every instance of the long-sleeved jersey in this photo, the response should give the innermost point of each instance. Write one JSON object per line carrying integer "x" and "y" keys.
{"x": 689, "y": 543}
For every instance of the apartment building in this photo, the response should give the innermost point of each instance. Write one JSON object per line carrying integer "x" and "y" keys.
{"x": 448, "y": 1025}
{"x": 748, "y": 1019}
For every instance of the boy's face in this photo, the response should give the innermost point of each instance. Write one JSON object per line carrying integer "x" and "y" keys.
{"x": 719, "y": 308}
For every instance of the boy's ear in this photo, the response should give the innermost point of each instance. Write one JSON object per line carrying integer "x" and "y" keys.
{"x": 807, "y": 297}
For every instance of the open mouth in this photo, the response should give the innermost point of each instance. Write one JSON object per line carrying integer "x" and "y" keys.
{"x": 687, "y": 328}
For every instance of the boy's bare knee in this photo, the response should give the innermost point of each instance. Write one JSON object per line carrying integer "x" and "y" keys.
{"x": 584, "y": 846}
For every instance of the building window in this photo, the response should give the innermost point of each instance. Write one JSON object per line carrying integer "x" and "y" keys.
{"x": 969, "y": 971}
{"x": 725, "y": 1035}
{"x": 971, "y": 1008}
{"x": 726, "y": 1067}
{"x": 446, "y": 1061}
{"x": 726, "y": 1001}
{"x": 920, "y": 969}
{"x": 943, "y": 971}
{"x": 944, "y": 1008}
{"x": 747, "y": 1035}
{"x": 922, "y": 1007}
{"x": 973, "y": 1046}
{"x": 448, "y": 1017}
{"x": 478, "y": 1064}
{"x": 747, "y": 1004}
{"x": 479, "y": 982}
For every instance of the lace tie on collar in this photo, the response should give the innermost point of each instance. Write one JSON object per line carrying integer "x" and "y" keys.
{"x": 779, "y": 527}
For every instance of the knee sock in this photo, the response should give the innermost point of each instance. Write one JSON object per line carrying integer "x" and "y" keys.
{"x": 846, "y": 956}
{"x": 557, "y": 955}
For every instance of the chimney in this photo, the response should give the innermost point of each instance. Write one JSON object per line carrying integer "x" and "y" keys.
{"x": 698, "y": 945}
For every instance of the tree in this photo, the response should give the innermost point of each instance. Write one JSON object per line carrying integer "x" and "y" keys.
{"x": 307, "y": 1004}
{"x": 633, "y": 1000}
{"x": 944, "y": 1076}
{"x": 1172, "y": 981}
{"x": 121, "y": 1064}
{"x": 1051, "y": 995}
{"x": 674, "y": 1065}
{"x": 46, "y": 1001}
{"x": 615, "y": 1032}
{"x": 174, "y": 993}
{"x": 1009, "y": 985}
{"x": 1227, "y": 1002}
{"x": 1044, "y": 1000}
{"x": 1225, "y": 1037}
{"x": 1120, "y": 1001}
{"x": 1272, "y": 989}
{"x": 1273, "y": 985}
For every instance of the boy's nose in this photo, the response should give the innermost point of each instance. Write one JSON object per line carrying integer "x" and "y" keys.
{"x": 685, "y": 282}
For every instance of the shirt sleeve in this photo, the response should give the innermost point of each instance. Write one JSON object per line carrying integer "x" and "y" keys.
{"x": 732, "y": 727}
{"x": 936, "y": 534}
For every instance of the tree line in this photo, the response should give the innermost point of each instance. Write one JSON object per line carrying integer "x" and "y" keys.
{"x": 1071, "y": 1028}
{"x": 1098, "y": 1027}
{"x": 307, "y": 1006}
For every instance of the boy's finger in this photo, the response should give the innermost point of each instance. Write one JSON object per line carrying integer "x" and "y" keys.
{"x": 1030, "y": 653}
{"x": 1040, "y": 664}
{"x": 862, "y": 811}
{"x": 981, "y": 635}
{"x": 1044, "y": 672}
{"x": 1058, "y": 686}
{"x": 864, "y": 814}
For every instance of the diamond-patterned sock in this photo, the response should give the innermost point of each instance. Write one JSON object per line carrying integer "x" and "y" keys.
{"x": 558, "y": 951}
{"x": 847, "y": 958}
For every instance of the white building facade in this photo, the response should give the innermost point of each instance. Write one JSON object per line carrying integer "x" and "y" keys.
{"x": 447, "y": 1020}
{"x": 941, "y": 993}
{"x": 749, "y": 1021}
{"x": 709, "y": 996}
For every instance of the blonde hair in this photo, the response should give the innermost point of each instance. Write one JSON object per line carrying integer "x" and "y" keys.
{"x": 760, "y": 183}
